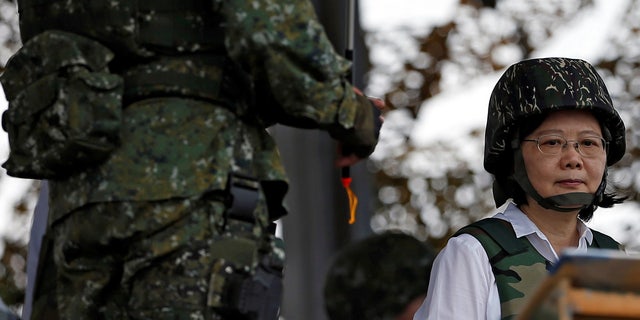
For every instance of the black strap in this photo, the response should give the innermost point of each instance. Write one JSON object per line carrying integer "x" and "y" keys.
{"x": 243, "y": 197}
{"x": 557, "y": 202}
{"x": 243, "y": 194}
{"x": 165, "y": 77}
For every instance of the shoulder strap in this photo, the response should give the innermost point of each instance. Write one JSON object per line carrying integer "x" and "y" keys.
{"x": 516, "y": 265}
{"x": 603, "y": 241}
{"x": 500, "y": 231}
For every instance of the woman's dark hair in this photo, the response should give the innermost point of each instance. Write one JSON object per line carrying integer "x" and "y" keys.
{"x": 509, "y": 186}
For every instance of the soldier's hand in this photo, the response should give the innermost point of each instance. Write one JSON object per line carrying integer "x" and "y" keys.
{"x": 380, "y": 109}
{"x": 351, "y": 151}
{"x": 345, "y": 157}
{"x": 345, "y": 160}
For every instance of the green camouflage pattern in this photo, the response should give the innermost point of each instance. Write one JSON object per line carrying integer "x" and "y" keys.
{"x": 180, "y": 148}
{"x": 169, "y": 273}
{"x": 134, "y": 30}
{"x": 64, "y": 109}
{"x": 158, "y": 252}
{"x": 517, "y": 266}
{"x": 376, "y": 278}
{"x": 171, "y": 147}
{"x": 517, "y": 275}
{"x": 179, "y": 145}
{"x": 264, "y": 35}
{"x": 536, "y": 86}
{"x": 36, "y": 60}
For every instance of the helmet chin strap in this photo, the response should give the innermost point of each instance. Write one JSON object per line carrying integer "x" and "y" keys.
{"x": 563, "y": 202}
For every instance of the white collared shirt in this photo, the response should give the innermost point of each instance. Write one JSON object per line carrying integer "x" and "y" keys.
{"x": 462, "y": 285}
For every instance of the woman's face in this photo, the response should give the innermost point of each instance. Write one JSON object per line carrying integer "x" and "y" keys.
{"x": 568, "y": 171}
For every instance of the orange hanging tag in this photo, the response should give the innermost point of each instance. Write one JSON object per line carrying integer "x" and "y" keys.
{"x": 353, "y": 200}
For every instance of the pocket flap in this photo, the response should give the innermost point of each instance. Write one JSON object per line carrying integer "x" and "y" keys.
{"x": 33, "y": 99}
{"x": 36, "y": 58}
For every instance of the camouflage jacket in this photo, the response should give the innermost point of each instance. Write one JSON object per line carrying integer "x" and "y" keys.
{"x": 247, "y": 65}
{"x": 516, "y": 265}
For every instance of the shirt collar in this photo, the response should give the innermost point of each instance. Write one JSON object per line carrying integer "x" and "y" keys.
{"x": 523, "y": 226}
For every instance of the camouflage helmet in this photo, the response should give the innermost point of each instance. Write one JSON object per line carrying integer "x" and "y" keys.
{"x": 537, "y": 86}
{"x": 376, "y": 278}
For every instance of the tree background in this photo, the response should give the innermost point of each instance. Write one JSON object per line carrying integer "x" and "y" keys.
{"x": 425, "y": 189}
{"x": 432, "y": 189}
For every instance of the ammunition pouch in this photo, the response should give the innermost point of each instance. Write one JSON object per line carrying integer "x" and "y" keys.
{"x": 65, "y": 107}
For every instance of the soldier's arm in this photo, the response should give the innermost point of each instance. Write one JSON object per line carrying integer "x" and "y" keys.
{"x": 296, "y": 71}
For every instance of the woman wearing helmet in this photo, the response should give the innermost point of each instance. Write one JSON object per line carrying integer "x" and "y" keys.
{"x": 551, "y": 133}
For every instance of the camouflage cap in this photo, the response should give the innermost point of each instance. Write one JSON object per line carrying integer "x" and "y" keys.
{"x": 537, "y": 86}
{"x": 377, "y": 277}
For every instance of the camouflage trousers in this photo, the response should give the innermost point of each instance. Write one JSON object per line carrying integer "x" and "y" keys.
{"x": 146, "y": 260}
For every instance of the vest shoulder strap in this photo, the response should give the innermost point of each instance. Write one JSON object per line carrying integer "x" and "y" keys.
{"x": 516, "y": 265}
{"x": 603, "y": 241}
{"x": 500, "y": 231}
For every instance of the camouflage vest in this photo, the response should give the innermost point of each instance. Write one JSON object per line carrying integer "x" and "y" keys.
{"x": 516, "y": 264}
{"x": 65, "y": 105}
{"x": 161, "y": 47}
{"x": 137, "y": 28}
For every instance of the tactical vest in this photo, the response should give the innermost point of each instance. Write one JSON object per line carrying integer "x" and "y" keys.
{"x": 108, "y": 55}
{"x": 139, "y": 28}
{"x": 161, "y": 47}
{"x": 516, "y": 264}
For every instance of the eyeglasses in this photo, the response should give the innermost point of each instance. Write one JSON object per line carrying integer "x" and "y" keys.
{"x": 552, "y": 144}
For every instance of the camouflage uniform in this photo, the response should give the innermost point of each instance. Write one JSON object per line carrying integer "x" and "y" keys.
{"x": 179, "y": 94}
{"x": 376, "y": 278}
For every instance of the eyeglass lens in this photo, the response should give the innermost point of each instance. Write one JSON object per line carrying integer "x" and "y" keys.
{"x": 588, "y": 146}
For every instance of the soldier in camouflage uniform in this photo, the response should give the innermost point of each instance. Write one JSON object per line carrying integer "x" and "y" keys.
{"x": 383, "y": 277}
{"x": 551, "y": 133}
{"x": 149, "y": 120}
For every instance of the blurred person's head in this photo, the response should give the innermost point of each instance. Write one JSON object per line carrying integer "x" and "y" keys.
{"x": 384, "y": 276}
